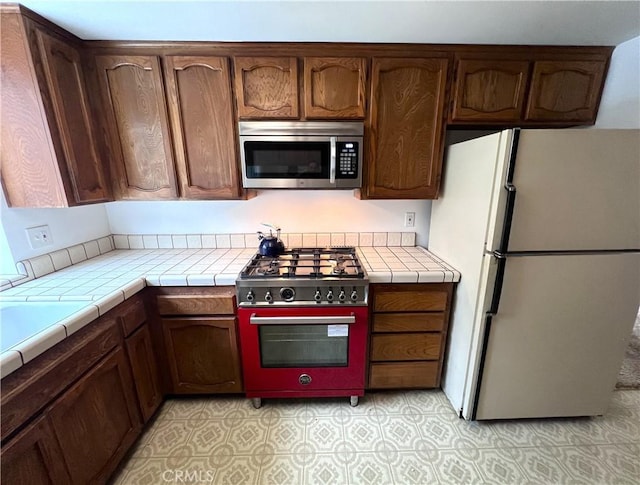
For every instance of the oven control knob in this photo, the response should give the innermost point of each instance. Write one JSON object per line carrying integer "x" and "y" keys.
{"x": 250, "y": 296}
{"x": 354, "y": 295}
{"x": 330, "y": 295}
{"x": 318, "y": 296}
{"x": 268, "y": 297}
{"x": 287, "y": 294}
{"x": 304, "y": 379}
{"x": 342, "y": 296}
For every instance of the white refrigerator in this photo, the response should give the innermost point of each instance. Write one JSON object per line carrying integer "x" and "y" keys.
{"x": 544, "y": 226}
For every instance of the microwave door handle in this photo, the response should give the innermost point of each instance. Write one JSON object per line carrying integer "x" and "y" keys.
{"x": 332, "y": 160}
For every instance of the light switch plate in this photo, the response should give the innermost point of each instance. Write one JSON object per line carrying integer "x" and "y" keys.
{"x": 39, "y": 236}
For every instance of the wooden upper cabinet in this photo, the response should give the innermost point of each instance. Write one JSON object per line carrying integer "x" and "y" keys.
{"x": 201, "y": 109}
{"x": 334, "y": 87}
{"x": 266, "y": 87}
{"x": 565, "y": 91}
{"x": 135, "y": 111}
{"x": 63, "y": 70}
{"x": 489, "y": 90}
{"x": 48, "y": 143}
{"x": 406, "y": 127}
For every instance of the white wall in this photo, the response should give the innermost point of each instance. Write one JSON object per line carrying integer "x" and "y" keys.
{"x": 68, "y": 227}
{"x": 293, "y": 211}
{"x": 620, "y": 105}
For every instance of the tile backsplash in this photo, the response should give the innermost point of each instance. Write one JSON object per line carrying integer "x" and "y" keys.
{"x": 250, "y": 240}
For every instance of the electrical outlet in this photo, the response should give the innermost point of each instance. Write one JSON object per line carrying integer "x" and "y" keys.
{"x": 39, "y": 237}
{"x": 409, "y": 219}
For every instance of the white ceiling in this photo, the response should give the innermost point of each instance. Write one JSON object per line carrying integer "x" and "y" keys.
{"x": 469, "y": 22}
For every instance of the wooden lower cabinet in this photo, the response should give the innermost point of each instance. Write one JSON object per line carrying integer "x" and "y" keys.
{"x": 34, "y": 457}
{"x": 202, "y": 354}
{"x": 196, "y": 328}
{"x": 96, "y": 421}
{"x": 409, "y": 329}
{"x": 145, "y": 371}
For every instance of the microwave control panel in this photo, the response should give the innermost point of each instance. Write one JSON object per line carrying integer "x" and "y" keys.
{"x": 347, "y": 162}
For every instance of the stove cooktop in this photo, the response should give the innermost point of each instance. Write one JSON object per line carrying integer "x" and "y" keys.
{"x": 304, "y": 276}
{"x": 309, "y": 263}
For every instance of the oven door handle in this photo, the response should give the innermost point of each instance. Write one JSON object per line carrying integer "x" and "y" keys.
{"x": 329, "y": 320}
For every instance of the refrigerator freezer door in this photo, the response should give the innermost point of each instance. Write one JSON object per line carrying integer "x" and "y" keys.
{"x": 559, "y": 336}
{"x": 577, "y": 190}
{"x": 460, "y": 221}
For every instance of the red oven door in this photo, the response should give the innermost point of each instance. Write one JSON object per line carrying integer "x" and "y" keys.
{"x": 310, "y": 351}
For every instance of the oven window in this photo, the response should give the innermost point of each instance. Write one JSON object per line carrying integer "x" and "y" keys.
{"x": 303, "y": 346}
{"x": 289, "y": 160}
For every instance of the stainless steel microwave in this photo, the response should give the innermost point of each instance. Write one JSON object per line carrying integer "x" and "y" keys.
{"x": 301, "y": 154}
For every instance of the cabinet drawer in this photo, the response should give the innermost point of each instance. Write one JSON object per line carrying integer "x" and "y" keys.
{"x": 134, "y": 315}
{"x": 407, "y": 346}
{"x": 408, "y": 322}
{"x": 403, "y": 375}
{"x": 408, "y": 300}
{"x": 196, "y": 305}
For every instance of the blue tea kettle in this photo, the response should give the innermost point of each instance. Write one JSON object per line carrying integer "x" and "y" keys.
{"x": 270, "y": 245}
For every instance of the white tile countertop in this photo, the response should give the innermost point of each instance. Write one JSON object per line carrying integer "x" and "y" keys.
{"x": 99, "y": 284}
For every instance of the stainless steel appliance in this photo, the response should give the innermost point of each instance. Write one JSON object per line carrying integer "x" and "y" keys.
{"x": 301, "y": 154}
{"x": 303, "y": 324}
{"x": 544, "y": 226}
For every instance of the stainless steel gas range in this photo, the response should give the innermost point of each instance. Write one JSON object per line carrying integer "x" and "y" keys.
{"x": 303, "y": 324}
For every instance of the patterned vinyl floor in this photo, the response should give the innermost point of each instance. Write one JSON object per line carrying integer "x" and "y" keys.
{"x": 389, "y": 438}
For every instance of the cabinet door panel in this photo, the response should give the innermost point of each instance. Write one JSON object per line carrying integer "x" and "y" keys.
{"x": 334, "y": 87}
{"x": 63, "y": 71}
{"x": 145, "y": 372}
{"x": 96, "y": 420}
{"x": 136, "y": 114}
{"x": 489, "y": 90}
{"x": 201, "y": 106}
{"x": 406, "y": 121}
{"x": 266, "y": 87}
{"x": 203, "y": 354}
{"x": 34, "y": 457}
{"x": 565, "y": 91}
{"x": 30, "y": 175}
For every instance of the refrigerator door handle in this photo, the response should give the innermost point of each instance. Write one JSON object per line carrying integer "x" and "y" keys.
{"x": 492, "y": 311}
{"x": 508, "y": 217}
{"x": 483, "y": 357}
{"x": 497, "y": 288}
{"x": 511, "y": 193}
